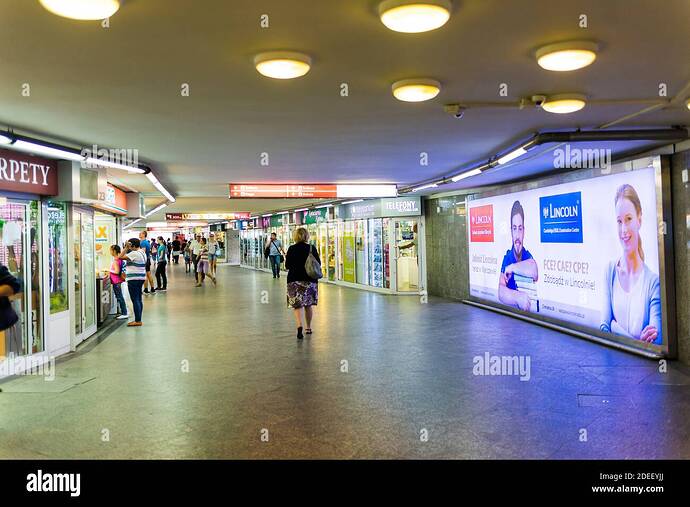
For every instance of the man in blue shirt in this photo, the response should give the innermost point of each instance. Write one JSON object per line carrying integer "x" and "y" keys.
{"x": 517, "y": 261}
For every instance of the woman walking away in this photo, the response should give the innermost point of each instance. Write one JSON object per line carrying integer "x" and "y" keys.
{"x": 302, "y": 289}
{"x": 203, "y": 266}
{"x": 161, "y": 267}
{"x": 136, "y": 274}
{"x": 117, "y": 276}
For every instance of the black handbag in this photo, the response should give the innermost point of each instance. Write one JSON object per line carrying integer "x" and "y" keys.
{"x": 8, "y": 317}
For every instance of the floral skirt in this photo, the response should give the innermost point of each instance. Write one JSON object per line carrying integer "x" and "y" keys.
{"x": 301, "y": 294}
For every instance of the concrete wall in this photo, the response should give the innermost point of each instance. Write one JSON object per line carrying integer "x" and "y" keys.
{"x": 446, "y": 240}
{"x": 680, "y": 163}
{"x": 446, "y": 247}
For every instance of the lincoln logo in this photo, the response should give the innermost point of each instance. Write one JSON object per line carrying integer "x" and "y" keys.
{"x": 562, "y": 211}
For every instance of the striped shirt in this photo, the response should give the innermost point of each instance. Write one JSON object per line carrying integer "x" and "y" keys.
{"x": 136, "y": 265}
{"x": 203, "y": 254}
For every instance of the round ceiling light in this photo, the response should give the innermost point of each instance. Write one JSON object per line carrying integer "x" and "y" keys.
{"x": 564, "y": 104}
{"x": 416, "y": 90}
{"x": 687, "y": 103}
{"x": 82, "y": 9}
{"x": 566, "y": 56}
{"x": 414, "y": 16}
{"x": 282, "y": 64}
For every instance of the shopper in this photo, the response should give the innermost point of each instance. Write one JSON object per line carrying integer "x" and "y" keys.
{"x": 187, "y": 252}
{"x": 302, "y": 290}
{"x": 135, "y": 257}
{"x": 145, "y": 245}
{"x": 161, "y": 276}
{"x": 168, "y": 249}
{"x": 176, "y": 250}
{"x": 203, "y": 264}
{"x": 274, "y": 249}
{"x": 212, "y": 252}
{"x": 195, "y": 247}
{"x": 117, "y": 276}
{"x": 9, "y": 286}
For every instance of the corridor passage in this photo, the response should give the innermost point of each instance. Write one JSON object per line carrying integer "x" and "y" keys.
{"x": 216, "y": 372}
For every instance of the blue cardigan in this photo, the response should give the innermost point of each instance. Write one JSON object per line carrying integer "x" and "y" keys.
{"x": 649, "y": 286}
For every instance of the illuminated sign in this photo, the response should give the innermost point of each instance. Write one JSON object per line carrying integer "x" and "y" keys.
{"x": 25, "y": 173}
{"x": 113, "y": 200}
{"x": 309, "y": 191}
{"x": 178, "y": 217}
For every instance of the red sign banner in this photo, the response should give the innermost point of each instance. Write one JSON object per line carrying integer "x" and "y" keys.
{"x": 482, "y": 224}
{"x": 282, "y": 191}
{"x": 28, "y": 174}
{"x": 181, "y": 217}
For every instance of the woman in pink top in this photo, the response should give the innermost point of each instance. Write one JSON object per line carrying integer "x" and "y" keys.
{"x": 117, "y": 276}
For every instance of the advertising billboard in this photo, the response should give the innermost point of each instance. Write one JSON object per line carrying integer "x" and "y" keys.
{"x": 583, "y": 253}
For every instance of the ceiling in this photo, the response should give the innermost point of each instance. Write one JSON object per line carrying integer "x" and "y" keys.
{"x": 120, "y": 87}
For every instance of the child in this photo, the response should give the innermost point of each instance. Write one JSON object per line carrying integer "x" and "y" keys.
{"x": 187, "y": 259}
{"x": 117, "y": 276}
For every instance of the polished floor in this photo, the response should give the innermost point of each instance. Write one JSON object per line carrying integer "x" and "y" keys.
{"x": 216, "y": 372}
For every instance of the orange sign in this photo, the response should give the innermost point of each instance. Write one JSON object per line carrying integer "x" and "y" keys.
{"x": 283, "y": 191}
{"x": 114, "y": 201}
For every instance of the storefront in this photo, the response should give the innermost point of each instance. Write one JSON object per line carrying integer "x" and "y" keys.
{"x": 374, "y": 244}
{"x": 32, "y": 248}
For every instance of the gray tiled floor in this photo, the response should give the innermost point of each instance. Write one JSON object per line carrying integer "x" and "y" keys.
{"x": 410, "y": 368}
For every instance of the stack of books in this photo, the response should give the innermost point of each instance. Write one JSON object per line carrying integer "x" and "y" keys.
{"x": 527, "y": 285}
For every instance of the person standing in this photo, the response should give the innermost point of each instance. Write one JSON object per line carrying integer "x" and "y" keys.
{"x": 9, "y": 286}
{"x": 145, "y": 245}
{"x": 187, "y": 252}
{"x": 117, "y": 276}
{"x": 135, "y": 257}
{"x": 168, "y": 249}
{"x": 212, "y": 251}
{"x": 275, "y": 247}
{"x": 203, "y": 264}
{"x": 196, "y": 247}
{"x": 302, "y": 290}
{"x": 161, "y": 276}
{"x": 176, "y": 250}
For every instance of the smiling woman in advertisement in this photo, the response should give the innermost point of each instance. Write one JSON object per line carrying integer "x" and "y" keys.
{"x": 517, "y": 261}
{"x": 632, "y": 302}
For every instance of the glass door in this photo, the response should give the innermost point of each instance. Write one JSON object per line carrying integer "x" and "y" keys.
{"x": 84, "y": 275}
{"x": 20, "y": 242}
{"x": 405, "y": 262}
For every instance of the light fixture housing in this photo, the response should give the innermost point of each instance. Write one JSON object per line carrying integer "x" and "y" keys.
{"x": 687, "y": 103}
{"x": 416, "y": 89}
{"x": 282, "y": 64}
{"x": 424, "y": 187}
{"x": 6, "y": 138}
{"x": 565, "y": 103}
{"x": 567, "y": 56}
{"x": 155, "y": 210}
{"x": 414, "y": 16}
{"x": 114, "y": 165}
{"x": 159, "y": 186}
{"x": 83, "y": 10}
{"x": 518, "y": 152}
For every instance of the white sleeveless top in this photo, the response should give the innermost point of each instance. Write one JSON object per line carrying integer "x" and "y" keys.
{"x": 628, "y": 307}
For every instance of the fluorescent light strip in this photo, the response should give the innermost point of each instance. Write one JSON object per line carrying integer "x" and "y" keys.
{"x": 466, "y": 174}
{"x": 352, "y": 202}
{"x": 265, "y": 216}
{"x": 324, "y": 206}
{"x": 301, "y": 209}
{"x": 47, "y": 151}
{"x": 131, "y": 224}
{"x": 152, "y": 178}
{"x": 424, "y": 187}
{"x": 114, "y": 165}
{"x": 156, "y": 209}
{"x": 5, "y": 138}
{"x": 512, "y": 155}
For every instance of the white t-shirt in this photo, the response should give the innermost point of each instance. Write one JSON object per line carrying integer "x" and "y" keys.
{"x": 628, "y": 308}
{"x": 196, "y": 247}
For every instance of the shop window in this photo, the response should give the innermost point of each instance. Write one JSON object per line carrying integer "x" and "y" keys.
{"x": 57, "y": 257}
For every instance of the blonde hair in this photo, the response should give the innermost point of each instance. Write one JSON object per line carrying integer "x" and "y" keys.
{"x": 301, "y": 235}
{"x": 628, "y": 192}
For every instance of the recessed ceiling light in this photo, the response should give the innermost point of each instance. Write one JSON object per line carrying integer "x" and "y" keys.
{"x": 687, "y": 103}
{"x": 82, "y": 9}
{"x": 282, "y": 64}
{"x": 416, "y": 90}
{"x": 566, "y": 56}
{"x": 563, "y": 104}
{"x": 414, "y": 16}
